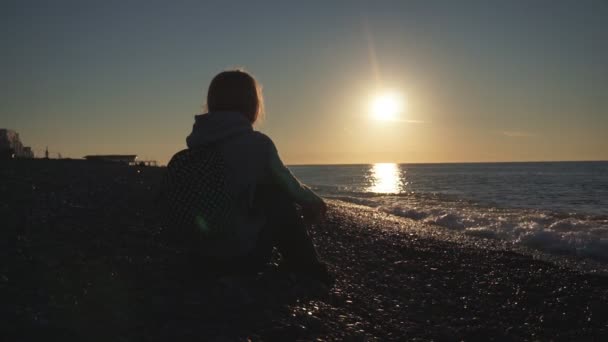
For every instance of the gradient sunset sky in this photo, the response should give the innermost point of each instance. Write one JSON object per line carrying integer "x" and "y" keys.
{"x": 484, "y": 80}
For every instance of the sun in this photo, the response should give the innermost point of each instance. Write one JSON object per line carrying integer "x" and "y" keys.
{"x": 387, "y": 106}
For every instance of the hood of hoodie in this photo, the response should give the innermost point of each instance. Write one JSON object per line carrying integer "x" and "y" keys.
{"x": 213, "y": 127}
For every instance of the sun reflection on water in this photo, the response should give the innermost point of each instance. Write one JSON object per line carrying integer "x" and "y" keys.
{"x": 386, "y": 178}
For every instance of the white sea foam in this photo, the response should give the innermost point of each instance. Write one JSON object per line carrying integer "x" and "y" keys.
{"x": 552, "y": 232}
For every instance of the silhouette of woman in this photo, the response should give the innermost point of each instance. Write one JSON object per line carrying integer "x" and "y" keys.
{"x": 263, "y": 192}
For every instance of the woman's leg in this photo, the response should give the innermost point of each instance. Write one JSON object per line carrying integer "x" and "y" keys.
{"x": 286, "y": 231}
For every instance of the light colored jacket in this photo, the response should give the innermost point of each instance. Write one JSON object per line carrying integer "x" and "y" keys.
{"x": 251, "y": 159}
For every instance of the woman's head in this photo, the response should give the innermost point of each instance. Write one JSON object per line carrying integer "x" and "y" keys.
{"x": 236, "y": 91}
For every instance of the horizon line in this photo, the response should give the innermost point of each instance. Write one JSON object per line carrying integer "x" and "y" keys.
{"x": 461, "y": 162}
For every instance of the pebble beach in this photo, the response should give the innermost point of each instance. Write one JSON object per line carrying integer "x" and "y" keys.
{"x": 84, "y": 258}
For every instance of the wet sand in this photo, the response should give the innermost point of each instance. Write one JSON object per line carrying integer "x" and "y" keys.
{"x": 84, "y": 258}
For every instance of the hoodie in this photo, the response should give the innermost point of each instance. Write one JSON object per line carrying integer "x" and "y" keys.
{"x": 250, "y": 159}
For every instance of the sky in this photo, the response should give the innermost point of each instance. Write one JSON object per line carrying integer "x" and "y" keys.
{"x": 483, "y": 80}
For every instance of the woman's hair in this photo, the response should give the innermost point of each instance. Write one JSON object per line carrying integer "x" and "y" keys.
{"x": 236, "y": 91}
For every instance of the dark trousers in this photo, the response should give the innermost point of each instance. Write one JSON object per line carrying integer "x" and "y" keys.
{"x": 284, "y": 230}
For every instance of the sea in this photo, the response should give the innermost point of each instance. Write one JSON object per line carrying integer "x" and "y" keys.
{"x": 555, "y": 207}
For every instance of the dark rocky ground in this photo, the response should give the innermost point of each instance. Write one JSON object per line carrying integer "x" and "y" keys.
{"x": 82, "y": 258}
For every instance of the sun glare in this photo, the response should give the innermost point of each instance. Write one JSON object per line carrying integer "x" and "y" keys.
{"x": 387, "y": 106}
{"x": 386, "y": 178}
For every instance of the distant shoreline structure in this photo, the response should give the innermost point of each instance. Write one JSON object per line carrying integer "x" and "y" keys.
{"x": 97, "y": 159}
{"x": 129, "y": 159}
{"x": 12, "y": 147}
{"x": 116, "y": 158}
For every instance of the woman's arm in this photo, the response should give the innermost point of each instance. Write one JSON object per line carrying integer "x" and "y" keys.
{"x": 313, "y": 205}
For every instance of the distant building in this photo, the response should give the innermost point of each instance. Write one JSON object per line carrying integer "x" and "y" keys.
{"x": 115, "y": 158}
{"x": 27, "y": 151}
{"x": 12, "y": 147}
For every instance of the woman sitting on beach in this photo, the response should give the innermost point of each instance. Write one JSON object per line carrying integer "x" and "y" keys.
{"x": 263, "y": 193}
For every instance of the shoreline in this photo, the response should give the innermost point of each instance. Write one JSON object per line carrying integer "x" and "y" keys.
{"x": 83, "y": 259}
{"x": 575, "y": 263}
{"x": 482, "y": 290}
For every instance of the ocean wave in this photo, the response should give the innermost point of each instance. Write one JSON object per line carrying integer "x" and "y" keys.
{"x": 553, "y": 232}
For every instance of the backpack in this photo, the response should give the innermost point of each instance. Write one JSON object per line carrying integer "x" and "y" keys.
{"x": 198, "y": 206}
